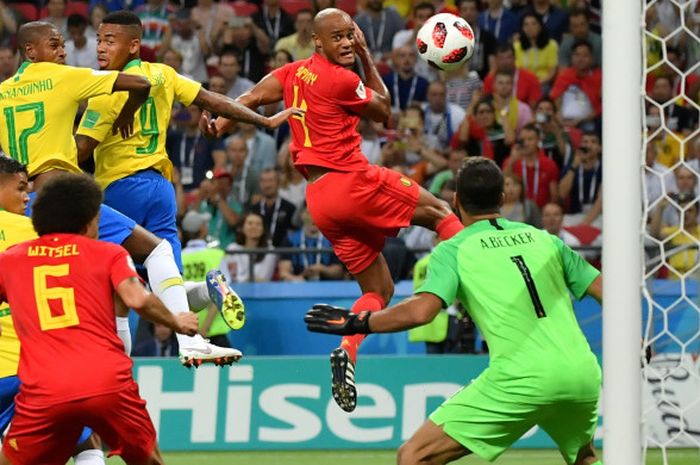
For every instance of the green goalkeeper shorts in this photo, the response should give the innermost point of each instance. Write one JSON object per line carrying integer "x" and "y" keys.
{"x": 487, "y": 420}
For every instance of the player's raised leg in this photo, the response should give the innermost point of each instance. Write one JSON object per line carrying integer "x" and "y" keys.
{"x": 430, "y": 445}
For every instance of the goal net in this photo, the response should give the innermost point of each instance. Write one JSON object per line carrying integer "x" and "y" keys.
{"x": 671, "y": 197}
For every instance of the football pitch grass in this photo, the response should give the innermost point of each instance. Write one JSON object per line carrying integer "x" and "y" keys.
{"x": 381, "y": 457}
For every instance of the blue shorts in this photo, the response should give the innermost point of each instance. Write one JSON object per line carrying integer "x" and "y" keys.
{"x": 114, "y": 227}
{"x": 9, "y": 387}
{"x": 149, "y": 199}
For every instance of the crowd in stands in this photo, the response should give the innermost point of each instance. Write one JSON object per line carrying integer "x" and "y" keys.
{"x": 529, "y": 98}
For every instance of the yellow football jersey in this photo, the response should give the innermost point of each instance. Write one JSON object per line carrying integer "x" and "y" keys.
{"x": 13, "y": 230}
{"x": 37, "y": 110}
{"x": 116, "y": 158}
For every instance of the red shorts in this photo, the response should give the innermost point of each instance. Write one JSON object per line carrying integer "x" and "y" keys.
{"x": 48, "y": 435}
{"x": 357, "y": 210}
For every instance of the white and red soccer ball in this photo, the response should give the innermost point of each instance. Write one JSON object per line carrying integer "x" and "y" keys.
{"x": 445, "y": 41}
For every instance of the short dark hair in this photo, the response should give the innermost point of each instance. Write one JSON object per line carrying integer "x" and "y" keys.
{"x": 479, "y": 186}
{"x": 11, "y": 166}
{"x": 125, "y": 18}
{"x": 67, "y": 203}
{"x": 582, "y": 43}
{"x": 505, "y": 47}
{"x": 532, "y": 127}
{"x": 579, "y": 12}
{"x": 76, "y": 20}
{"x": 424, "y": 6}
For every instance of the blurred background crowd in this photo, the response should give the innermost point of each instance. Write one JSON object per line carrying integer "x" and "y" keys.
{"x": 529, "y": 98}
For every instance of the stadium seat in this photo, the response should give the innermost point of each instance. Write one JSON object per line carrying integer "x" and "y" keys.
{"x": 27, "y": 10}
{"x": 243, "y": 8}
{"x": 584, "y": 233}
{"x": 79, "y": 8}
{"x": 348, "y": 6}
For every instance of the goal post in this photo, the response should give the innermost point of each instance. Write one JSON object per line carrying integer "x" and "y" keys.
{"x": 622, "y": 233}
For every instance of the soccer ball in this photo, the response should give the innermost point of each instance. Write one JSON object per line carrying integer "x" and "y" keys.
{"x": 445, "y": 41}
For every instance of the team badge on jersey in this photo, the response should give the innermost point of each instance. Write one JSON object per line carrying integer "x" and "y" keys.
{"x": 360, "y": 91}
{"x": 406, "y": 182}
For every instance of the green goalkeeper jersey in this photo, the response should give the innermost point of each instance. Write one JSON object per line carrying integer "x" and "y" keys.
{"x": 514, "y": 280}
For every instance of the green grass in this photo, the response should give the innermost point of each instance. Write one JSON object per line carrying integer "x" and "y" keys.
{"x": 343, "y": 457}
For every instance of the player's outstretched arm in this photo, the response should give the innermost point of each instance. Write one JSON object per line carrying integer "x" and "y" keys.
{"x": 138, "y": 88}
{"x": 379, "y": 108}
{"x": 415, "y": 311}
{"x": 150, "y": 307}
{"x": 268, "y": 90}
{"x": 232, "y": 110}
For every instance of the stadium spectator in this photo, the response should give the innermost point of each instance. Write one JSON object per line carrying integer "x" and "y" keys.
{"x": 163, "y": 343}
{"x": 553, "y": 223}
{"x": 676, "y": 59}
{"x": 511, "y": 383}
{"x": 516, "y": 206}
{"x": 274, "y": 21}
{"x": 556, "y": 141}
{"x": 499, "y": 21}
{"x": 8, "y": 62}
{"x": 539, "y": 174}
{"x": 414, "y": 153}
{"x": 579, "y": 29}
{"x": 527, "y": 86}
{"x": 81, "y": 50}
{"x": 308, "y": 265}
{"x": 404, "y": 85}
{"x": 581, "y": 183}
{"x": 577, "y": 89}
{"x": 250, "y": 43}
{"x": 379, "y": 25}
{"x": 276, "y": 212}
{"x": 250, "y": 234}
{"x": 318, "y": 5}
{"x": 481, "y": 134}
{"x": 155, "y": 18}
{"x": 292, "y": 183}
{"x": 173, "y": 58}
{"x": 299, "y": 44}
{"x": 454, "y": 161}
{"x": 56, "y": 15}
{"x": 441, "y": 119}
{"x": 211, "y": 16}
{"x": 510, "y": 110}
{"x": 261, "y": 146}
{"x": 422, "y": 11}
{"x": 372, "y": 140}
{"x": 653, "y": 175}
{"x": 191, "y": 153}
{"x": 281, "y": 134}
{"x": 684, "y": 233}
{"x": 197, "y": 258}
{"x": 222, "y": 205}
{"x": 229, "y": 69}
{"x": 217, "y": 84}
{"x": 190, "y": 39}
{"x": 678, "y": 119}
{"x": 683, "y": 182}
{"x": 97, "y": 13}
{"x": 238, "y": 162}
{"x": 485, "y": 44}
{"x": 461, "y": 85}
{"x": 535, "y": 51}
{"x": 554, "y": 19}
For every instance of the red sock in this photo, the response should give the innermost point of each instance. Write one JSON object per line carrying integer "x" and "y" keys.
{"x": 448, "y": 227}
{"x": 370, "y": 301}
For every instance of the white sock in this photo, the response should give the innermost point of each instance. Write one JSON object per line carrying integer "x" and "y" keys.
{"x": 90, "y": 457}
{"x": 124, "y": 333}
{"x": 167, "y": 284}
{"x": 197, "y": 295}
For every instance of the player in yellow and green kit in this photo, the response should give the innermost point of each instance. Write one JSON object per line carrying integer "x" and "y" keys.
{"x": 515, "y": 282}
{"x": 136, "y": 173}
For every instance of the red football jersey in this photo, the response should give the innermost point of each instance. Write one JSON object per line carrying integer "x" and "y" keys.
{"x": 333, "y": 98}
{"x": 60, "y": 288}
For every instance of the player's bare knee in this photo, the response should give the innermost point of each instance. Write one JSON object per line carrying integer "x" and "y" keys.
{"x": 586, "y": 455}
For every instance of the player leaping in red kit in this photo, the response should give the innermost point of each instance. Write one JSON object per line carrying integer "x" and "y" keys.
{"x": 356, "y": 205}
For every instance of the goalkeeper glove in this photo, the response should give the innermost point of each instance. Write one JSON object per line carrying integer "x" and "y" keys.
{"x": 323, "y": 318}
